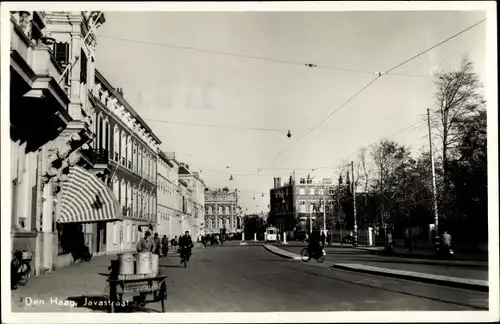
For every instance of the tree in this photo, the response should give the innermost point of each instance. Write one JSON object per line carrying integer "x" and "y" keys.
{"x": 366, "y": 181}
{"x": 469, "y": 176}
{"x": 389, "y": 158}
{"x": 457, "y": 97}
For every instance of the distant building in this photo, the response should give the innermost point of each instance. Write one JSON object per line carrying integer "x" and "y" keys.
{"x": 221, "y": 211}
{"x": 165, "y": 188}
{"x": 196, "y": 201}
{"x": 294, "y": 205}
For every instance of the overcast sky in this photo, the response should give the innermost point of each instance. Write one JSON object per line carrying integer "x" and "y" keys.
{"x": 173, "y": 84}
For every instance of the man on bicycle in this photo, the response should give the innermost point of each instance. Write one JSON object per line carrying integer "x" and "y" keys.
{"x": 314, "y": 247}
{"x": 185, "y": 245}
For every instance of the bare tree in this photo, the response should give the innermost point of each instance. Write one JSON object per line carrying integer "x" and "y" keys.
{"x": 457, "y": 97}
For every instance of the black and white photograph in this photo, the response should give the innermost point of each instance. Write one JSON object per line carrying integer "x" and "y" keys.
{"x": 249, "y": 162}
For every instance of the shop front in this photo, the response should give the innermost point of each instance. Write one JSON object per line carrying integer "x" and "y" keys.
{"x": 87, "y": 206}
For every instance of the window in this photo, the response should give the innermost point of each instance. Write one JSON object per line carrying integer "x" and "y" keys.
{"x": 116, "y": 143}
{"x": 302, "y": 191}
{"x": 129, "y": 199}
{"x": 139, "y": 160}
{"x": 123, "y": 148}
{"x": 99, "y": 132}
{"x": 61, "y": 53}
{"x": 321, "y": 191}
{"x": 310, "y": 206}
{"x": 83, "y": 66}
{"x": 107, "y": 136}
{"x": 134, "y": 156}
{"x": 311, "y": 191}
{"x": 122, "y": 194}
{"x": 330, "y": 189}
{"x": 134, "y": 233}
{"x": 129, "y": 152}
{"x": 128, "y": 234}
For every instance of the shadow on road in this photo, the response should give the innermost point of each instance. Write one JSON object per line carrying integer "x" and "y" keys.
{"x": 171, "y": 266}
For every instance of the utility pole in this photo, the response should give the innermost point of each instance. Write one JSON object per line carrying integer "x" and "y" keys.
{"x": 310, "y": 218}
{"x": 434, "y": 193}
{"x": 355, "y": 240}
{"x": 324, "y": 208}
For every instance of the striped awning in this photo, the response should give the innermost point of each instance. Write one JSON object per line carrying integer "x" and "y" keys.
{"x": 85, "y": 199}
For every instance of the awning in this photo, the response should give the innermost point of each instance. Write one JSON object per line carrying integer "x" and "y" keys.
{"x": 85, "y": 199}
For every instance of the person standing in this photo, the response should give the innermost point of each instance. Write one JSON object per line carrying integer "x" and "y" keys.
{"x": 157, "y": 244}
{"x": 146, "y": 243}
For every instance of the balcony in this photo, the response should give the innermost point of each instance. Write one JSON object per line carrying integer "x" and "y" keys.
{"x": 96, "y": 156}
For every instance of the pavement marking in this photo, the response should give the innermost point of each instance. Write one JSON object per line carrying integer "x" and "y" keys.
{"x": 474, "y": 284}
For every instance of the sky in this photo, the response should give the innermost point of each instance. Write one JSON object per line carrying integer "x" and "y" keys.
{"x": 202, "y": 87}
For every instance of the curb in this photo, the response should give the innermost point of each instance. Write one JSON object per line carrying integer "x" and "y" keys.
{"x": 279, "y": 252}
{"x": 460, "y": 261}
{"x": 471, "y": 284}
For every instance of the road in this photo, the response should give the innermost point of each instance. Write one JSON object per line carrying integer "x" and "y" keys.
{"x": 473, "y": 270}
{"x": 250, "y": 279}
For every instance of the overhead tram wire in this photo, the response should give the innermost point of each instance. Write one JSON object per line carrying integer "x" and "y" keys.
{"x": 216, "y": 126}
{"x": 304, "y": 170}
{"x": 252, "y": 57}
{"x": 370, "y": 83}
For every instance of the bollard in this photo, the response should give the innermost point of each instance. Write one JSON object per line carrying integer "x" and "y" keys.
{"x": 284, "y": 238}
{"x": 255, "y": 236}
{"x": 243, "y": 239}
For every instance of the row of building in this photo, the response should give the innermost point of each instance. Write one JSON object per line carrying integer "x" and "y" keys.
{"x": 85, "y": 167}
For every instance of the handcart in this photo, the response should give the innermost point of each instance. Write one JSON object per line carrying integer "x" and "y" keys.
{"x": 140, "y": 288}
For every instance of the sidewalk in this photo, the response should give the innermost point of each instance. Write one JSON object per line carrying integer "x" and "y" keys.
{"x": 401, "y": 251}
{"x": 66, "y": 288}
{"x": 480, "y": 256}
{"x": 51, "y": 290}
{"x": 437, "y": 274}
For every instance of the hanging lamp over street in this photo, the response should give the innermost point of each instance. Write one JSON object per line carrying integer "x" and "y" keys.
{"x": 289, "y": 134}
{"x": 231, "y": 178}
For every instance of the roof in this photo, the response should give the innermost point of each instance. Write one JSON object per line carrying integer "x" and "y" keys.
{"x": 165, "y": 158}
{"x": 122, "y": 100}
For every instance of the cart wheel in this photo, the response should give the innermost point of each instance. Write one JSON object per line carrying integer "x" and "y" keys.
{"x": 162, "y": 292}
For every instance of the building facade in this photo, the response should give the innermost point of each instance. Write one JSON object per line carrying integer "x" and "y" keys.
{"x": 54, "y": 193}
{"x": 126, "y": 150}
{"x": 297, "y": 205}
{"x": 166, "y": 187}
{"x": 221, "y": 210}
{"x": 197, "y": 200}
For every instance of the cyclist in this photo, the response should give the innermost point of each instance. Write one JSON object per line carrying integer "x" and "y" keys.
{"x": 185, "y": 245}
{"x": 314, "y": 247}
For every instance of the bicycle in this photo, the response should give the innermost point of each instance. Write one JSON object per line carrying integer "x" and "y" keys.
{"x": 20, "y": 268}
{"x": 319, "y": 258}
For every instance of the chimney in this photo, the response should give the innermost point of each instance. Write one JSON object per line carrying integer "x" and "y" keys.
{"x": 170, "y": 155}
{"x": 186, "y": 166}
{"x": 120, "y": 91}
{"x": 197, "y": 174}
{"x": 278, "y": 182}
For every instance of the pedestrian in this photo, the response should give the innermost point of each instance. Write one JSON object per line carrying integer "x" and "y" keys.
{"x": 164, "y": 245}
{"x": 407, "y": 239}
{"x": 146, "y": 243}
{"x": 157, "y": 244}
{"x": 323, "y": 238}
{"x": 446, "y": 241}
